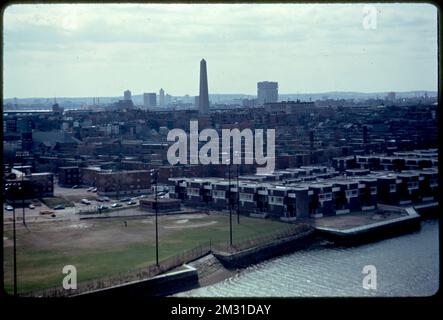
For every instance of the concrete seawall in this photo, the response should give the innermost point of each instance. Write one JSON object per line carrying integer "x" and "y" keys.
{"x": 374, "y": 231}
{"x": 428, "y": 210}
{"x": 161, "y": 285}
{"x": 272, "y": 249}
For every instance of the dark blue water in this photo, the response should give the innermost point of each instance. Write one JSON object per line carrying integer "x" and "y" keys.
{"x": 405, "y": 266}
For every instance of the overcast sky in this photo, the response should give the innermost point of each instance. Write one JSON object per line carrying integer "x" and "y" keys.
{"x": 101, "y": 50}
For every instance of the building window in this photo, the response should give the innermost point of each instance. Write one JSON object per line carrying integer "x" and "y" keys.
{"x": 351, "y": 193}
{"x": 392, "y": 188}
{"x": 325, "y": 196}
{"x": 193, "y": 191}
{"x": 373, "y": 190}
{"x": 276, "y": 200}
{"x": 218, "y": 194}
{"x": 245, "y": 196}
{"x": 413, "y": 185}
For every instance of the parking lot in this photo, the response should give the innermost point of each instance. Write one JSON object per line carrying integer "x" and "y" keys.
{"x": 68, "y": 204}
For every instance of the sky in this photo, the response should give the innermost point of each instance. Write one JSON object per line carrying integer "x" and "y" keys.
{"x": 85, "y": 50}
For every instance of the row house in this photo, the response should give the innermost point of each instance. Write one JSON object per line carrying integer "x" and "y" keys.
{"x": 367, "y": 187}
{"x": 346, "y": 196}
{"x": 343, "y": 163}
{"x": 197, "y": 192}
{"x": 177, "y": 189}
{"x": 368, "y": 162}
{"x": 223, "y": 194}
{"x": 387, "y": 189}
{"x": 428, "y": 184}
{"x": 321, "y": 202}
{"x": 248, "y": 196}
{"x": 357, "y": 172}
{"x": 289, "y": 200}
{"x": 399, "y": 189}
{"x": 395, "y": 163}
{"x": 408, "y": 188}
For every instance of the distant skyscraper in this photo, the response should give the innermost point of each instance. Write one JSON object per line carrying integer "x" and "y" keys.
{"x": 150, "y": 99}
{"x": 267, "y": 92}
{"x": 127, "y": 95}
{"x": 203, "y": 101}
{"x": 168, "y": 99}
{"x": 391, "y": 96}
{"x": 162, "y": 97}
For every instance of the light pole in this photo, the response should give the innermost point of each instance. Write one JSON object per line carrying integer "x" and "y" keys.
{"x": 238, "y": 198}
{"x": 15, "y": 247}
{"x": 22, "y": 187}
{"x": 228, "y": 161}
{"x": 10, "y": 195}
{"x": 154, "y": 174}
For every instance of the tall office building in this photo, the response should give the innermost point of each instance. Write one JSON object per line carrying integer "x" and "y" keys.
{"x": 390, "y": 96}
{"x": 267, "y": 92}
{"x": 203, "y": 100}
{"x": 168, "y": 99}
{"x": 149, "y": 99}
{"x": 127, "y": 95}
{"x": 162, "y": 97}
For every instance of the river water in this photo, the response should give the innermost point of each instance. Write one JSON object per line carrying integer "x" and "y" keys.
{"x": 407, "y": 265}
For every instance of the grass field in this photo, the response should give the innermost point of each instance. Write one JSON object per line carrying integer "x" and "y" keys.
{"x": 105, "y": 247}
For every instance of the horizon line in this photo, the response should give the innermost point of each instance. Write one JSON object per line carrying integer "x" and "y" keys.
{"x": 215, "y": 93}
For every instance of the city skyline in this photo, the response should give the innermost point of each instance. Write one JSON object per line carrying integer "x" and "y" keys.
{"x": 70, "y": 46}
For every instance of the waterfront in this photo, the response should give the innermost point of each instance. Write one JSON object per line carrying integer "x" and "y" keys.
{"x": 407, "y": 265}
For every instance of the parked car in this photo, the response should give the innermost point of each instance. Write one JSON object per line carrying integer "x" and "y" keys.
{"x": 100, "y": 199}
{"x": 9, "y": 208}
{"x": 86, "y": 201}
{"x": 75, "y": 187}
{"x": 161, "y": 193}
{"x": 131, "y": 202}
{"x": 90, "y": 189}
{"x": 59, "y": 207}
{"x": 94, "y": 190}
{"x": 117, "y": 205}
{"x": 105, "y": 198}
{"x": 125, "y": 200}
{"x": 102, "y": 208}
{"x": 31, "y": 206}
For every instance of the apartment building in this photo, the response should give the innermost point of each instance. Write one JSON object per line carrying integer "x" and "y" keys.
{"x": 300, "y": 193}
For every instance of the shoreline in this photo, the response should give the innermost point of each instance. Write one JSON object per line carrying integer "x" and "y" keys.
{"x": 321, "y": 238}
{"x": 218, "y": 265}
